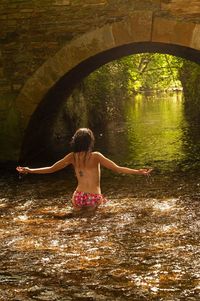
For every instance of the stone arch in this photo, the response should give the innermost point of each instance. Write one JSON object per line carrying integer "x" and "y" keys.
{"x": 140, "y": 32}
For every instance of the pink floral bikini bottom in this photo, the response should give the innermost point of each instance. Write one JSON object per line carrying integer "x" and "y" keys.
{"x": 81, "y": 199}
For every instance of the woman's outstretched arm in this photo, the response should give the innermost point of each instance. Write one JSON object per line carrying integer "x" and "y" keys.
{"x": 114, "y": 167}
{"x": 67, "y": 160}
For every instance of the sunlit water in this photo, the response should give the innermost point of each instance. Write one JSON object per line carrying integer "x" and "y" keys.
{"x": 143, "y": 244}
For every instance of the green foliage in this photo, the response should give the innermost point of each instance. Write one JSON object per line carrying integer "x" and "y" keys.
{"x": 149, "y": 72}
{"x": 109, "y": 87}
{"x": 104, "y": 92}
{"x": 189, "y": 75}
{"x": 135, "y": 73}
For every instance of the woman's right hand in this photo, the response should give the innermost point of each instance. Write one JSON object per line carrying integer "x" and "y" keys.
{"x": 23, "y": 170}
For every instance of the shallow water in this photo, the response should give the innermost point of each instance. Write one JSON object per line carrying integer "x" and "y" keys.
{"x": 143, "y": 244}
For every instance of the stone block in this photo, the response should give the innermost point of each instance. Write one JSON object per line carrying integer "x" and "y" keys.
{"x": 1, "y": 72}
{"x": 16, "y": 87}
{"x": 86, "y": 46}
{"x": 62, "y": 2}
{"x": 25, "y": 108}
{"x": 195, "y": 39}
{"x": 136, "y": 28}
{"x": 172, "y": 32}
{"x": 33, "y": 91}
{"x": 99, "y": 40}
{"x": 181, "y": 7}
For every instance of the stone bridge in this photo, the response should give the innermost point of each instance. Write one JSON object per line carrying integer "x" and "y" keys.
{"x": 48, "y": 46}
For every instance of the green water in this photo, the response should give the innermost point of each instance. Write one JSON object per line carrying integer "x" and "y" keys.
{"x": 157, "y": 133}
{"x": 143, "y": 244}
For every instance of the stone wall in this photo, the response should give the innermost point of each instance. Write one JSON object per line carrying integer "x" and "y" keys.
{"x": 31, "y": 32}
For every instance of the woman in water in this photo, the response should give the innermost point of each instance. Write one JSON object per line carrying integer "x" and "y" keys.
{"x": 86, "y": 164}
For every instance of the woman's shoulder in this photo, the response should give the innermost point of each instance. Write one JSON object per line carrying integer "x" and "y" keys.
{"x": 96, "y": 154}
{"x": 69, "y": 155}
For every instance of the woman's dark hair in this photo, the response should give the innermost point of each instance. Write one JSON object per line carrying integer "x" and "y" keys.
{"x": 82, "y": 141}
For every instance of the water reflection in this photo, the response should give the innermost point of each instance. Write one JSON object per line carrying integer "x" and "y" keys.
{"x": 154, "y": 131}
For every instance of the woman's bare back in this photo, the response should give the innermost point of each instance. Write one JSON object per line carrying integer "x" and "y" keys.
{"x": 87, "y": 170}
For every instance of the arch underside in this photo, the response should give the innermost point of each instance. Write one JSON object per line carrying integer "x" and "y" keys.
{"x": 36, "y": 139}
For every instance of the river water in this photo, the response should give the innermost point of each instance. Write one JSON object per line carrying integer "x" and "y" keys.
{"x": 143, "y": 244}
